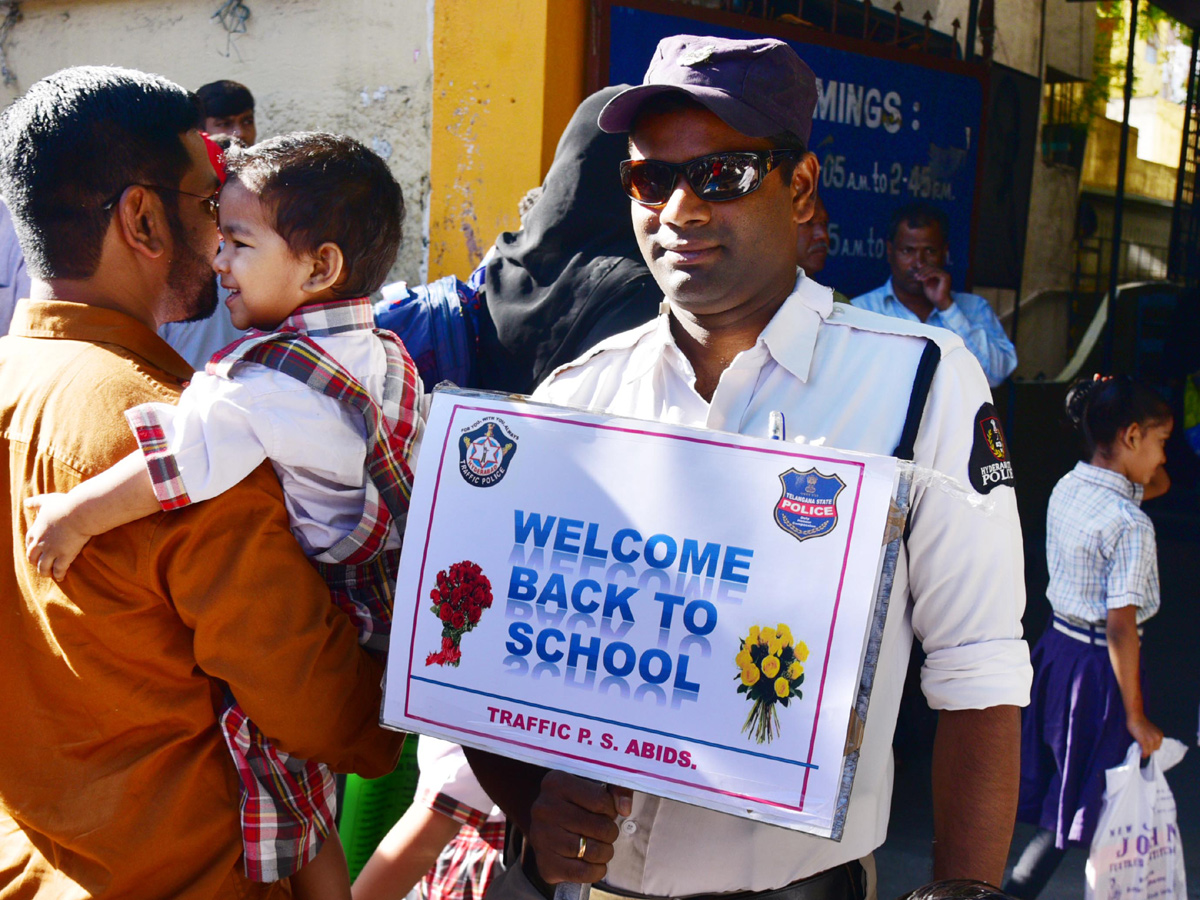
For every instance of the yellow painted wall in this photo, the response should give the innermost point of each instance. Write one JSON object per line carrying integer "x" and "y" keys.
{"x": 506, "y": 80}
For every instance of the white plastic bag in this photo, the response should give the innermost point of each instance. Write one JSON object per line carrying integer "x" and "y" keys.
{"x": 1136, "y": 853}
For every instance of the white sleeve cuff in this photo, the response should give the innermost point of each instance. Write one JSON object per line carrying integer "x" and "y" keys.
{"x": 444, "y": 770}
{"x": 978, "y": 676}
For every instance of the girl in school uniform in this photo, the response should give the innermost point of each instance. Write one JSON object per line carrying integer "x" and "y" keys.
{"x": 1086, "y": 704}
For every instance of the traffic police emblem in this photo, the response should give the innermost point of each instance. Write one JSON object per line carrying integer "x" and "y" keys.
{"x": 485, "y": 452}
{"x": 991, "y": 463}
{"x": 808, "y": 506}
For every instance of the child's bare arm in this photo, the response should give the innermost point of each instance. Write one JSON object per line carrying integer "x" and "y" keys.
{"x": 66, "y": 522}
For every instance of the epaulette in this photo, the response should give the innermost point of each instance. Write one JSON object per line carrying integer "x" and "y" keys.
{"x": 877, "y": 323}
{"x": 624, "y": 340}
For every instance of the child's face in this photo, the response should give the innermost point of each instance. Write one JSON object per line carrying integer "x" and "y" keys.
{"x": 1144, "y": 450}
{"x": 266, "y": 281}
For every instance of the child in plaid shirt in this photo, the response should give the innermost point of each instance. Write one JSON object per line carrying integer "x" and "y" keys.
{"x": 311, "y": 225}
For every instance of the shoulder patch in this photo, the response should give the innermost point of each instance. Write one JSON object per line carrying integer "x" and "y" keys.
{"x": 991, "y": 462}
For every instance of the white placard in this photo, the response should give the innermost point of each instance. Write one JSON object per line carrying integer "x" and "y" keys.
{"x": 637, "y": 575}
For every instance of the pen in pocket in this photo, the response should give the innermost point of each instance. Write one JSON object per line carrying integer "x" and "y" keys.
{"x": 776, "y": 428}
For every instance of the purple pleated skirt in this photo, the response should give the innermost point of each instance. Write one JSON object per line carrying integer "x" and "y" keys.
{"x": 1072, "y": 730}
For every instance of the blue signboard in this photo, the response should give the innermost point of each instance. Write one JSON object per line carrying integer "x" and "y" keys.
{"x": 885, "y": 132}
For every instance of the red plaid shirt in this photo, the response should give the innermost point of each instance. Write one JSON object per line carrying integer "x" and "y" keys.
{"x": 467, "y": 865}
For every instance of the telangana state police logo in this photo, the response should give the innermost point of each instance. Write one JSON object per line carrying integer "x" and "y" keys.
{"x": 808, "y": 505}
{"x": 484, "y": 453}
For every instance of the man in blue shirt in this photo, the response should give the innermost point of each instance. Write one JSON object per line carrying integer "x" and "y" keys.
{"x": 919, "y": 289}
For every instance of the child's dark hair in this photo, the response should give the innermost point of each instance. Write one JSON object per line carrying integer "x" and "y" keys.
{"x": 1104, "y": 407}
{"x": 957, "y": 889}
{"x": 322, "y": 188}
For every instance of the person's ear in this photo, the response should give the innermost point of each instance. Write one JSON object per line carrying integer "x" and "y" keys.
{"x": 142, "y": 222}
{"x": 1132, "y": 436}
{"x": 327, "y": 266}
{"x": 804, "y": 187}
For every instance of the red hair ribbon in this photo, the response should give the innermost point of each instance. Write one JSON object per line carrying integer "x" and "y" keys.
{"x": 216, "y": 156}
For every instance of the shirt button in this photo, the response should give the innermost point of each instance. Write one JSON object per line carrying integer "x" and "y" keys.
{"x": 629, "y": 826}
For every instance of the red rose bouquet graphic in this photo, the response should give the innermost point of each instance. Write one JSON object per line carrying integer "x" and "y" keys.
{"x": 463, "y": 592}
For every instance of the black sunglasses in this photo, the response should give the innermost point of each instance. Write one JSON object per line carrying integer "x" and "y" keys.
{"x": 716, "y": 177}
{"x": 210, "y": 202}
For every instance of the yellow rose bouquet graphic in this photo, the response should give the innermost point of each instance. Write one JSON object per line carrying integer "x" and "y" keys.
{"x": 771, "y": 669}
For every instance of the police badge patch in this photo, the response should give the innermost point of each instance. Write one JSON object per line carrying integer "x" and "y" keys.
{"x": 485, "y": 452}
{"x": 991, "y": 462}
{"x": 808, "y": 506}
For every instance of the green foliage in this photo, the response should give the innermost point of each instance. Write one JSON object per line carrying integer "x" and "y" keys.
{"x": 1112, "y": 32}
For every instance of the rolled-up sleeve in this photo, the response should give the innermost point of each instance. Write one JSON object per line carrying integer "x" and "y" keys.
{"x": 263, "y": 623}
{"x": 965, "y": 557}
{"x": 203, "y": 446}
{"x": 448, "y": 785}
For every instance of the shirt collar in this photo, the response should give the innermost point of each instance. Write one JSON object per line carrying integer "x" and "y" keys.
{"x": 63, "y": 320}
{"x": 1107, "y": 478}
{"x": 890, "y": 299}
{"x": 790, "y": 337}
{"x": 897, "y": 308}
{"x": 332, "y": 317}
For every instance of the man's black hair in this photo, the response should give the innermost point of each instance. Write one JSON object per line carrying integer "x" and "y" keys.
{"x": 72, "y": 143}
{"x": 224, "y": 98}
{"x": 919, "y": 214}
{"x": 322, "y": 188}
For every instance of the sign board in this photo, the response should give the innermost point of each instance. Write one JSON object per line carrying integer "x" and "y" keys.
{"x": 886, "y": 132}
{"x": 684, "y": 612}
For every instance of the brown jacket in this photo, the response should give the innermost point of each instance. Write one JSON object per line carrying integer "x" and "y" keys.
{"x": 114, "y": 779}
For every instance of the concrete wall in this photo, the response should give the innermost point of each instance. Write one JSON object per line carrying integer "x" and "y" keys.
{"x": 1159, "y": 125}
{"x": 361, "y": 67}
{"x": 1142, "y": 178}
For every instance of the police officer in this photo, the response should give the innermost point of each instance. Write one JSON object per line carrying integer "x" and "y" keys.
{"x": 720, "y": 180}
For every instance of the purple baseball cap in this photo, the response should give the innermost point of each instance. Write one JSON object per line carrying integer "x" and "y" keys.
{"x": 758, "y": 87}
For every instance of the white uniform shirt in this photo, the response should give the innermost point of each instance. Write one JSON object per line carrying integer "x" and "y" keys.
{"x": 222, "y": 429}
{"x": 1100, "y": 546}
{"x": 842, "y": 377}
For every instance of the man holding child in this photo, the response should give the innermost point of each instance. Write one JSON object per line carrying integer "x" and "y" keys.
{"x": 116, "y": 779}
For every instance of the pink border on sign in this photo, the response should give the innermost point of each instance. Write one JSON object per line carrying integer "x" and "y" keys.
{"x": 649, "y": 433}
